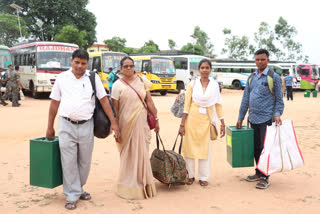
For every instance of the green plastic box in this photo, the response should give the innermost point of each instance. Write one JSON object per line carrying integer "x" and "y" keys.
{"x": 307, "y": 94}
{"x": 45, "y": 163}
{"x": 314, "y": 94}
{"x": 240, "y": 146}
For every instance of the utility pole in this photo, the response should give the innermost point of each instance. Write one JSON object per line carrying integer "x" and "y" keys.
{"x": 19, "y": 9}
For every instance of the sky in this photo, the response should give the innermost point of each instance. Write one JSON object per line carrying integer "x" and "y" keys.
{"x": 143, "y": 20}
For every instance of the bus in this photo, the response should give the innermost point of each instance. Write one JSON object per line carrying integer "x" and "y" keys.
{"x": 308, "y": 74}
{"x": 160, "y": 71}
{"x": 5, "y": 60}
{"x": 235, "y": 73}
{"x": 40, "y": 64}
{"x": 100, "y": 62}
{"x": 184, "y": 64}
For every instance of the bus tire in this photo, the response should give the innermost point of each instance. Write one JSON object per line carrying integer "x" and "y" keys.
{"x": 163, "y": 93}
{"x": 180, "y": 86}
{"x": 236, "y": 85}
{"x": 33, "y": 91}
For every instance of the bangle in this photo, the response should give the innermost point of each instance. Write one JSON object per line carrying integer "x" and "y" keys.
{"x": 181, "y": 125}
{"x": 156, "y": 119}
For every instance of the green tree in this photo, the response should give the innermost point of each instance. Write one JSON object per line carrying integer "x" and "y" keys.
{"x": 116, "y": 44}
{"x": 236, "y": 47}
{"x": 196, "y": 49}
{"x": 55, "y": 14}
{"x": 9, "y": 32}
{"x": 171, "y": 44}
{"x": 280, "y": 41}
{"x": 203, "y": 40}
{"x": 71, "y": 34}
{"x": 149, "y": 46}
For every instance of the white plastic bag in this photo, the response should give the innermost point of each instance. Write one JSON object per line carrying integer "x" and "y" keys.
{"x": 281, "y": 151}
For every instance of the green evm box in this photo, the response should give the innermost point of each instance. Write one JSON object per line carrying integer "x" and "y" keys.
{"x": 45, "y": 163}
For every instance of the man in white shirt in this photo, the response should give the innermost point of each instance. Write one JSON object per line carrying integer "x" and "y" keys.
{"x": 72, "y": 94}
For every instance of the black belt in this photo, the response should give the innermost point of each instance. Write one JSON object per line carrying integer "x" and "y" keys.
{"x": 75, "y": 121}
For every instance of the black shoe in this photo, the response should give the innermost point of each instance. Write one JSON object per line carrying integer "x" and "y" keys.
{"x": 4, "y": 103}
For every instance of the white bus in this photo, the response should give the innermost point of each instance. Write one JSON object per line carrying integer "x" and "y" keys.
{"x": 235, "y": 73}
{"x": 184, "y": 64}
{"x": 5, "y": 60}
{"x": 40, "y": 63}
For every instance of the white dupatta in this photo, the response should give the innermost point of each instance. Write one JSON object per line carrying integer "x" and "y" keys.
{"x": 210, "y": 97}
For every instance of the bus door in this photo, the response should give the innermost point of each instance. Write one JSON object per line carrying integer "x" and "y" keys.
{"x": 96, "y": 66}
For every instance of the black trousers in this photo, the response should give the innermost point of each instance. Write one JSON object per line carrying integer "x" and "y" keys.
{"x": 289, "y": 92}
{"x": 259, "y": 134}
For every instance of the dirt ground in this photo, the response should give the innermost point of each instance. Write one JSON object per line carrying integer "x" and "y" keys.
{"x": 290, "y": 192}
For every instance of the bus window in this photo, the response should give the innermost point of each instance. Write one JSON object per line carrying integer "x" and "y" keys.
{"x": 146, "y": 66}
{"x": 33, "y": 59}
{"x": 226, "y": 70}
{"x": 181, "y": 63}
{"x": 90, "y": 64}
{"x": 314, "y": 74}
{"x": 137, "y": 66}
{"x": 96, "y": 64}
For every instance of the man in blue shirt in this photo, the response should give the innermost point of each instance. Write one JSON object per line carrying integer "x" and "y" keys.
{"x": 289, "y": 83}
{"x": 263, "y": 107}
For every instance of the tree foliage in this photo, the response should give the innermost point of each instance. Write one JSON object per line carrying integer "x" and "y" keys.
{"x": 9, "y": 26}
{"x": 116, "y": 44}
{"x": 203, "y": 40}
{"x": 55, "y": 14}
{"x": 196, "y": 49}
{"x": 149, "y": 46}
{"x": 172, "y": 45}
{"x": 236, "y": 47}
{"x": 71, "y": 34}
{"x": 280, "y": 41}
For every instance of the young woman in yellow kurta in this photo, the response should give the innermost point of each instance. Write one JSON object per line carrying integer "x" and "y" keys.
{"x": 202, "y": 109}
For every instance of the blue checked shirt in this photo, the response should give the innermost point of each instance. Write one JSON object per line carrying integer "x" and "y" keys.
{"x": 259, "y": 99}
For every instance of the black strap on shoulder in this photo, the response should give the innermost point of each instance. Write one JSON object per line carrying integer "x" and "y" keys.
{"x": 92, "y": 78}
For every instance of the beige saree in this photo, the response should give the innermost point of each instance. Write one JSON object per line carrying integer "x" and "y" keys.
{"x": 135, "y": 179}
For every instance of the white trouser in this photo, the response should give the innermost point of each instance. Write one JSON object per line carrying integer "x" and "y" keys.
{"x": 76, "y": 146}
{"x": 203, "y": 166}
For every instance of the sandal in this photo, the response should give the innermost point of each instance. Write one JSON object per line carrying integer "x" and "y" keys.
{"x": 73, "y": 205}
{"x": 190, "y": 181}
{"x": 85, "y": 196}
{"x": 203, "y": 183}
{"x": 252, "y": 178}
{"x": 263, "y": 184}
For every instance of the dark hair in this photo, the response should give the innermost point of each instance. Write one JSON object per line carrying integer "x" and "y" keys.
{"x": 262, "y": 51}
{"x": 110, "y": 68}
{"x": 203, "y": 61}
{"x": 79, "y": 53}
{"x": 124, "y": 59}
{"x": 117, "y": 71}
{"x": 16, "y": 67}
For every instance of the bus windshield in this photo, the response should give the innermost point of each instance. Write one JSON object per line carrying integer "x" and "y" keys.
{"x": 162, "y": 66}
{"x": 181, "y": 63}
{"x": 4, "y": 57}
{"x": 54, "y": 60}
{"x": 111, "y": 60}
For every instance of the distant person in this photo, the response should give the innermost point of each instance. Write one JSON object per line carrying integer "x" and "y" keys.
{"x": 2, "y": 102}
{"x": 192, "y": 76}
{"x": 144, "y": 75}
{"x": 202, "y": 109}
{"x": 72, "y": 94}
{"x": 13, "y": 85}
{"x": 110, "y": 80}
{"x": 263, "y": 105}
{"x": 289, "y": 83}
{"x": 283, "y": 86}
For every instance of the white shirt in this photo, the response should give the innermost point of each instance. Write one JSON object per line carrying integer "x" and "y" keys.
{"x": 76, "y": 95}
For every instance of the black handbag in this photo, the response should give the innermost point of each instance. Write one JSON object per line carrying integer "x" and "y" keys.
{"x": 101, "y": 121}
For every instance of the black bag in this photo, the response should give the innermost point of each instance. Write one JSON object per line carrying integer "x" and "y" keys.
{"x": 116, "y": 77}
{"x": 102, "y": 123}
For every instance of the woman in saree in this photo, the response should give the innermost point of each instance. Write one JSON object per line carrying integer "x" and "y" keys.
{"x": 136, "y": 178}
{"x": 202, "y": 109}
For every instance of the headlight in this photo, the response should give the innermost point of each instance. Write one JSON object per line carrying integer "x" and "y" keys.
{"x": 42, "y": 82}
{"x": 155, "y": 81}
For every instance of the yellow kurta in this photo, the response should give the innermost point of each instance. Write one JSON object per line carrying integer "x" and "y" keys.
{"x": 197, "y": 128}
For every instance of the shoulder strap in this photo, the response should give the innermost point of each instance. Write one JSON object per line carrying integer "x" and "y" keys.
{"x": 144, "y": 104}
{"x": 270, "y": 81}
{"x": 250, "y": 79}
{"x": 92, "y": 78}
